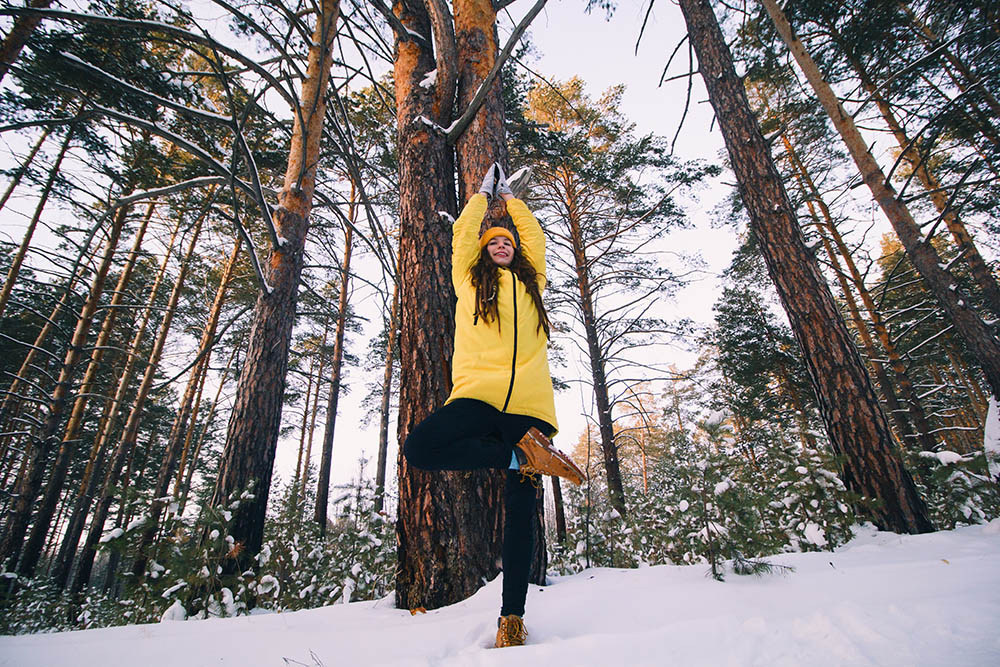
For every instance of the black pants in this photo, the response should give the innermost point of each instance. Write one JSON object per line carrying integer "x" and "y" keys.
{"x": 468, "y": 434}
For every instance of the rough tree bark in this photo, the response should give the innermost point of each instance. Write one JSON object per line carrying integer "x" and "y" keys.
{"x": 439, "y": 564}
{"x": 256, "y": 417}
{"x": 855, "y": 422}
{"x": 482, "y": 143}
{"x": 969, "y": 326}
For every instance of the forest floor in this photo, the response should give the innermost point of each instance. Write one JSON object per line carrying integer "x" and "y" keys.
{"x": 882, "y": 599}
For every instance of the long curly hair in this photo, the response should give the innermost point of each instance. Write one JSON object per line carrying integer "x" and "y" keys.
{"x": 486, "y": 279}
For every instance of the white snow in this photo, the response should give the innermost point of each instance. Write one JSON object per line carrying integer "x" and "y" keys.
{"x": 815, "y": 534}
{"x": 945, "y": 457}
{"x": 882, "y": 599}
{"x": 430, "y": 79}
{"x": 174, "y": 612}
{"x": 112, "y": 534}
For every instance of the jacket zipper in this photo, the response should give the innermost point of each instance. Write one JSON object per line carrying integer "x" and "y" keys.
{"x": 513, "y": 361}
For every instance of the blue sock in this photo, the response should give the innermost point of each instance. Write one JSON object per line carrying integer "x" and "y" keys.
{"x": 514, "y": 465}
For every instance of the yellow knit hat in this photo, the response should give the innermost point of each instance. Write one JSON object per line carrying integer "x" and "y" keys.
{"x": 493, "y": 232}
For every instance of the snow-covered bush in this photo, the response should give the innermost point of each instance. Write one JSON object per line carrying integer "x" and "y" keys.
{"x": 712, "y": 504}
{"x": 956, "y": 487}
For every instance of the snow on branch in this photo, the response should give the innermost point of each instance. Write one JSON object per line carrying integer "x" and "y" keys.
{"x": 404, "y": 33}
{"x": 460, "y": 125}
{"x": 170, "y": 189}
{"x": 189, "y": 111}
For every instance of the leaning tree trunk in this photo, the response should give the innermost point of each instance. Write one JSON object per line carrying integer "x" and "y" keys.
{"x": 44, "y": 441}
{"x": 91, "y": 473}
{"x": 182, "y": 424}
{"x": 326, "y": 459}
{"x": 130, "y": 434}
{"x": 966, "y": 246}
{"x": 43, "y": 198}
{"x": 57, "y": 478}
{"x": 916, "y": 429}
{"x": 252, "y": 437}
{"x": 969, "y": 326}
{"x": 18, "y": 36}
{"x": 855, "y": 422}
{"x": 23, "y": 168}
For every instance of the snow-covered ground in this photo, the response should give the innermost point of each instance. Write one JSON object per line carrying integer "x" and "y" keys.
{"x": 883, "y": 599}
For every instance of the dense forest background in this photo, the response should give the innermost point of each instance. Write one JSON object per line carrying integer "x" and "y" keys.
{"x": 207, "y": 223}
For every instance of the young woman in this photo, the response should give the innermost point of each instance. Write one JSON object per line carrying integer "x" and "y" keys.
{"x": 501, "y": 412}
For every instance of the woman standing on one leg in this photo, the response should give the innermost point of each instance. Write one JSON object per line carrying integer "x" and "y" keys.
{"x": 501, "y": 412}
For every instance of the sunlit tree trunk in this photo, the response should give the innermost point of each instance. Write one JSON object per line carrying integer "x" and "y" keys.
{"x": 92, "y": 471}
{"x": 854, "y": 419}
{"x": 252, "y": 437}
{"x": 41, "y": 444}
{"x": 131, "y": 431}
{"x": 980, "y": 341}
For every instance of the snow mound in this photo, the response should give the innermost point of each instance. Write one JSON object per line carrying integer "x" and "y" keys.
{"x": 882, "y": 599}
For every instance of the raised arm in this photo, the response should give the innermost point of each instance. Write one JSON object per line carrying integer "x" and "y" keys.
{"x": 465, "y": 238}
{"x": 532, "y": 237}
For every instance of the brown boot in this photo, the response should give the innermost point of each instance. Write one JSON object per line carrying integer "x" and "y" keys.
{"x": 510, "y": 631}
{"x": 538, "y": 457}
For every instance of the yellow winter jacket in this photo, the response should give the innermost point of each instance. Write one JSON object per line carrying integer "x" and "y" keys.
{"x": 504, "y": 363}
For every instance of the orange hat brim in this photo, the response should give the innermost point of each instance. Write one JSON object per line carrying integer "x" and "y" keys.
{"x": 494, "y": 232}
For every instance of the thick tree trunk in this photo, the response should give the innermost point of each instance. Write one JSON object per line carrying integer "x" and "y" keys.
{"x": 92, "y": 471}
{"x": 482, "y": 143}
{"x": 855, "y": 422}
{"x": 130, "y": 433}
{"x": 42, "y": 443}
{"x": 448, "y": 541}
{"x": 43, "y": 198}
{"x": 248, "y": 456}
{"x": 977, "y": 336}
{"x": 383, "y": 428}
{"x": 57, "y": 478}
{"x": 326, "y": 460}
